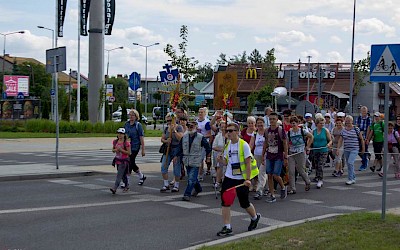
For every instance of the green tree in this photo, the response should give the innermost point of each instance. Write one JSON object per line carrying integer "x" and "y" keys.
{"x": 204, "y": 72}
{"x": 185, "y": 64}
{"x": 120, "y": 89}
{"x": 222, "y": 59}
{"x": 255, "y": 57}
{"x": 240, "y": 58}
{"x": 361, "y": 70}
{"x": 251, "y": 101}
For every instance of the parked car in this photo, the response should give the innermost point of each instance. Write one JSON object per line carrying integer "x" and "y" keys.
{"x": 159, "y": 112}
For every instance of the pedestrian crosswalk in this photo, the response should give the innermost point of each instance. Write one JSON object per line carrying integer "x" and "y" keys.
{"x": 87, "y": 157}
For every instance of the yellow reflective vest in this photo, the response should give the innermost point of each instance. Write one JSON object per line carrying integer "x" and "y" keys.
{"x": 253, "y": 163}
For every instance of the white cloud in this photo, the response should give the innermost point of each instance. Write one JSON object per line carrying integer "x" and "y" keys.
{"x": 335, "y": 39}
{"x": 258, "y": 39}
{"x": 321, "y": 21}
{"x": 293, "y": 36}
{"x": 334, "y": 57}
{"x": 137, "y": 34}
{"x": 374, "y": 26}
{"x": 315, "y": 55}
{"x": 225, "y": 36}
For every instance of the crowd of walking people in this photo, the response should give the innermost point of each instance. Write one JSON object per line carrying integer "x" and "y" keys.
{"x": 269, "y": 153}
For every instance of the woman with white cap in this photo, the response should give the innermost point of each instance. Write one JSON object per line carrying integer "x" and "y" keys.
{"x": 122, "y": 150}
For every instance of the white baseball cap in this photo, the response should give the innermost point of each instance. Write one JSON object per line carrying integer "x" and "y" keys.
{"x": 377, "y": 114}
{"x": 308, "y": 115}
{"x": 121, "y": 130}
{"x": 327, "y": 115}
{"x": 340, "y": 114}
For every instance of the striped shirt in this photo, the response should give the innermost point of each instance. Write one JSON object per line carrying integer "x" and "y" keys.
{"x": 350, "y": 139}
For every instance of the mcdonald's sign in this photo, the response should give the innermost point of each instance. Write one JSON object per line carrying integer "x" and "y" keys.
{"x": 251, "y": 73}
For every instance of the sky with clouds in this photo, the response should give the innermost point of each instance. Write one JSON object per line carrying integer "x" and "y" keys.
{"x": 295, "y": 28}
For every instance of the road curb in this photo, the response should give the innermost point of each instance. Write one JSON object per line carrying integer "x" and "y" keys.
{"x": 237, "y": 237}
{"x": 49, "y": 175}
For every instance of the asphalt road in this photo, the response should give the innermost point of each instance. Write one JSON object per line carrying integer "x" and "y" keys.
{"x": 81, "y": 213}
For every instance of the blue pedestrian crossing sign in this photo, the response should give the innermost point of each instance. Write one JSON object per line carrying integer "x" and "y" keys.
{"x": 384, "y": 63}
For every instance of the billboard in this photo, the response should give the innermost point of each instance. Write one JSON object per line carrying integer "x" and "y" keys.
{"x": 16, "y": 84}
{"x": 19, "y": 109}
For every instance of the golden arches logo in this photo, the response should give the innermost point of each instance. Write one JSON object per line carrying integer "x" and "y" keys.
{"x": 251, "y": 73}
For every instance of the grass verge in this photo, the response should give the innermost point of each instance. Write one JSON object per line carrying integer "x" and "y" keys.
{"x": 19, "y": 135}
{"x": 351, "y": 231}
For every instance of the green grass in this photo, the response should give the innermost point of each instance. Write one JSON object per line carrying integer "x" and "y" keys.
{"x": 351, "y": 231}
{"x": 19, "y": 135}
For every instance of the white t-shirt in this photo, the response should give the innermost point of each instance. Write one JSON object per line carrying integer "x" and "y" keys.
{"x": 203, "y": 126}
{"x": 259, "y": 144}
{"x": 233, "y": 157}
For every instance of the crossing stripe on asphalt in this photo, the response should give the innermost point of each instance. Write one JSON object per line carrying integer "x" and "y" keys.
{"x": 218, "y": 211}
{"x": 185, "y": 204}
{"x": 375, "y": 193}
{"x": 267, "y": 221}
{"x": 307, "y": 201}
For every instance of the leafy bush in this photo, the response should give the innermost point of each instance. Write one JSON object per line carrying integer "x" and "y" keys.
{"x": 40, "y": 125}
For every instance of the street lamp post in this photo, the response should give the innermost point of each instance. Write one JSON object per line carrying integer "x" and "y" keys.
{"x": 53, "y": 75}
{"x": 108, "y": 66}
{"x": 4, "y": 49}
{"x": 145, "y": 84}
{"x": 308, "y": 79}
{"x": 352, "y": 63}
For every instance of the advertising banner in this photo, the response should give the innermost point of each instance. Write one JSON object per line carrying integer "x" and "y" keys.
{"x": 84, "y": 13}
{"x": 19, "y": 109}
{"x": 16, "y": 84}
{"x": 109, "y": 16}
{"x": 61, "y": 7}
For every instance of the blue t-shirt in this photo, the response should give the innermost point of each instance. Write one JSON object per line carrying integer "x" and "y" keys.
{"x": 134, "y": 132}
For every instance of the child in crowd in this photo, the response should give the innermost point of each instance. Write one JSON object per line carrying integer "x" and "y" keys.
{"x": 122, "y": 150}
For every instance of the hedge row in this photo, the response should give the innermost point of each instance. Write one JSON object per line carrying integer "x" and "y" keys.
{"x": 48, "y": 126}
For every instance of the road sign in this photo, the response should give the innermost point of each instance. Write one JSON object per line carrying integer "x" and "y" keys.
{"x": 4, "y": 95}
{"x": 52, "y": 92}
{"x": 134, "y": 81}
{"x": 60, "y": 55}
{"x": 384, "y": 63}
{"x": 20, "y": 95}
{"x": 111, "y": 99}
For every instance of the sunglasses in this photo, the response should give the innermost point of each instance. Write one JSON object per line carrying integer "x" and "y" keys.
{"x": 230, "y": 130}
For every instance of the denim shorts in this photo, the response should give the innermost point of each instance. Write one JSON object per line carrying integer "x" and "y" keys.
{"x": 176, "y": 167}
{"x": 274, "y": 166}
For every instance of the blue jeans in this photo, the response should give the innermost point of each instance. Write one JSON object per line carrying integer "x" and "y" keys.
{"x": 176, "y": 167}
{"x": 193, "y": 182}
{"x": 350, "y": 157}
{"x": 364, "y": 158}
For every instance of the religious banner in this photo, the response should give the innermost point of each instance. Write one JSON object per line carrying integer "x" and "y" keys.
{"x": 61, "y": 7}
{"x": 169, "y": 76}
{"x": 84, "y": 13}
{"x": 225, "y": 90}
{"x": 109, "y": 16}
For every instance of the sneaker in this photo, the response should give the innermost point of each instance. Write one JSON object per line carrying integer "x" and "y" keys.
{"x": 308, "y": 187}
{"x": 315, "y": 179}
{"x": 253, "y": 223}
{"x": 291, "y": 192}
{"x": 380, "y": 174}
{"x": 362, "y": 168}
{"x": 141, "y": 181}
{"x": 319, "y": 184}
{"x": 225, "y": 231}
{"x": 258, "y": 196}
{"x": 379, "y": 169}
{"x": 335, "y": 173}
{"x": 186, "y": 198}
{"x": 372, "y": 168}
{"x": 125, "y": 190}
{"x": 350, "y": 182}
{"x": 195, "y": 193}
{"x": 113, "y": 191}
{"x": 172, "y": 183}
{"x": 122, "y": 185}
{"x": 270, "y": 199}
{"x": 175, "y": 190}
{"x": 283, "y": 193}
{"x": 340, "y": 173}
{"x": 201, "y": 178}
{"x": 164, "y": 189}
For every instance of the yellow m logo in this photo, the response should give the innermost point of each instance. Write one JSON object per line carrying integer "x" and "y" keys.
{"x": 251, "y": 73}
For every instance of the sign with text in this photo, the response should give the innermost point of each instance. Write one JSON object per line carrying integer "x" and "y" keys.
{"x": 16, "y": 84}
{"x": 169, "y": 76}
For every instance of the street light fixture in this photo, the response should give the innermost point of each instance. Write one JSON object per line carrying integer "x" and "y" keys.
{"x": 4, "y": 48}
{"x": 53, "y": 75}
{"x": 145, "y": 84}
{"x": 108, "y": 56}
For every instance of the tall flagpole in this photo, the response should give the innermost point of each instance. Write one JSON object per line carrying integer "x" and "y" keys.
{"x": 352, "y": 63}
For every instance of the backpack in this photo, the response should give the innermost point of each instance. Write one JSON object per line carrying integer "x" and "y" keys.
{"x": 302, "y": 135}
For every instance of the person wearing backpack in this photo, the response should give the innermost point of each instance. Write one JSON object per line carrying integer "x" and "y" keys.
{"x": 122, "y": 150}
{"x": 275, "y": 150}
{"x": 297, "y": 153}
{"x": 375, "y": 134}
{"x": 364, "y": 121}
{"x": 351, "y": 139}
{"x": 393, "y": 146}
{"x": 135, "y": 132}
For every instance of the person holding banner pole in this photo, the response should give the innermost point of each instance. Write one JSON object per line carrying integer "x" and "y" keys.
{"x": 241, "y": 167}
